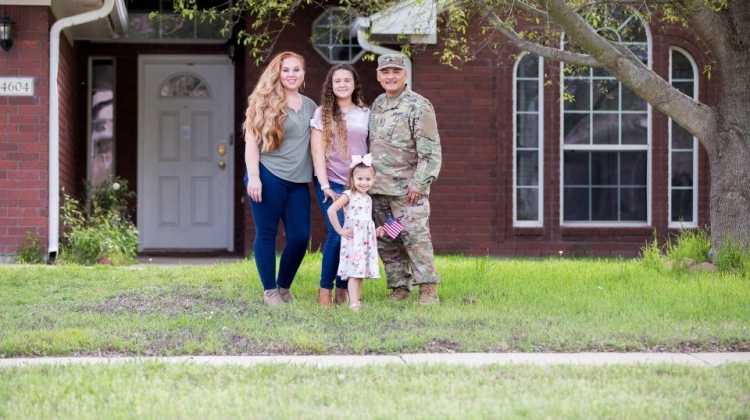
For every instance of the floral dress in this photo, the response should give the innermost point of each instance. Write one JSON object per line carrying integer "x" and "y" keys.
{"x": 359, "y": 255}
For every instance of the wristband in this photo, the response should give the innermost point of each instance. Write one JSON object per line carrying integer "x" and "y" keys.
{"x": 325, "y": 187}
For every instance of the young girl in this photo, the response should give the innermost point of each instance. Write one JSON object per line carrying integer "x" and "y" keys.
{"x": 359, "y": 249}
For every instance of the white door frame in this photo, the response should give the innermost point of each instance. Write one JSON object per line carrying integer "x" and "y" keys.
{"x": 145, "y": 59}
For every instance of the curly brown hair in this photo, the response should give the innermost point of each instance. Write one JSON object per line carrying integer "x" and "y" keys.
{"x": 331, "y": 113}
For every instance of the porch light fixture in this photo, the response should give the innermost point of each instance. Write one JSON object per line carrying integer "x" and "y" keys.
{"x": 6, "y": 33}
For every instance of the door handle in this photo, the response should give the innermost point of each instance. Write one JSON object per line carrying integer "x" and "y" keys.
{"x": 222, "y": 164}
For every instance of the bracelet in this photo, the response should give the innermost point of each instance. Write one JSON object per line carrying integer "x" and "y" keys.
{"x": 325, "y": 187}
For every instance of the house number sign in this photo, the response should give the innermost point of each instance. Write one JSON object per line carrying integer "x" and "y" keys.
{"x": 16, "y": 86}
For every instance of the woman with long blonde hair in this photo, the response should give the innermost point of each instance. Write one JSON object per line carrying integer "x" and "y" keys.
{"x": 339, "y": 130}
{"x": 279, "y": 168}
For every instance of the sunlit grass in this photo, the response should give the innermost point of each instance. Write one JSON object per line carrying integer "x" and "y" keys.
{"x": 487, "y": 304}
{"x": 153, "y": 390}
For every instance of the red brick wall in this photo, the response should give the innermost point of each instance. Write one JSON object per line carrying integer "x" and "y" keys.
{"x": 23, "y": 132}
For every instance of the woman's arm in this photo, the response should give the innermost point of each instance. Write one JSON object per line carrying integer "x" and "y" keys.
{"x": 333, "y": 217}
{"x": 318, "y": 149}
{"x": 252, "y": 163}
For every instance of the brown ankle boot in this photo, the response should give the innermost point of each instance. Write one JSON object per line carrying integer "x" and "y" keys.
{"x": 428, "y": 294}
{"x": 342, "y": 296}
{"x": 324, "y": 297}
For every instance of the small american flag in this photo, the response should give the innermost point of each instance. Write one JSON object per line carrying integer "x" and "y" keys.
{"x": 393, "y": 227}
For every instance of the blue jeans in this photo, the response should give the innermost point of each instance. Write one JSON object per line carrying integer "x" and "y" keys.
{"x": 290, "y": 203}
{"x": 332, "y": 243}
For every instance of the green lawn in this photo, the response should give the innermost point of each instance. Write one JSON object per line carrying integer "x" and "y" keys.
{"x": 487, "y": 305}
{"x": 155, "y": 390}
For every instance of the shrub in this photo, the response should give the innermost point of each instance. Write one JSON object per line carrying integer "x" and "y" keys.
{"x": 690, "y": 247}
{"x": 733, "y": 258}
{"x": 651, "y": 255}
{"x": 102, "y": 231}
{"x": 30, "y": 251}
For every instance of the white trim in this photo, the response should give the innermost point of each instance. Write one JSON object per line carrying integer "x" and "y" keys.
{"x": 144, "y": 59}
{"x": 54, "y": 116}
{"x": 540, "y": 142}
{"x": 360, "y": 24}
{"x": 89, "y": 152}
{"x": 604, "y": 147}
{"x": 695, "y": 80}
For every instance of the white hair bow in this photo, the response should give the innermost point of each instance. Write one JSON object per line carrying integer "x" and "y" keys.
{"x": 363, "y": 159}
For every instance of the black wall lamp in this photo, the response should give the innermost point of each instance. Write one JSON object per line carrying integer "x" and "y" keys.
{"x": 6, "y": 33}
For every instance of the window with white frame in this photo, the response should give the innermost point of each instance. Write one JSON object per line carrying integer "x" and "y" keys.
{"x": 528, "y": 146}
{"x": 333, "y": 37}
{"x": 605, "y": 140}
{"x": 683, "y": 147}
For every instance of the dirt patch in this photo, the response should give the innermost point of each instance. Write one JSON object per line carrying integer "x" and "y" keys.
{"x": 440, "y": 345}
{"x": 168, "y": 302}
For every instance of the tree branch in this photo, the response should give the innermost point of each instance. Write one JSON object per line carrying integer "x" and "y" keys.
{"x": 538, "y": 49}
{"x": 697, "y": 118}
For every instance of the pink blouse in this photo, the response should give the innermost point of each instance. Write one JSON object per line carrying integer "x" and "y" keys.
{"x": 337, "y": 165}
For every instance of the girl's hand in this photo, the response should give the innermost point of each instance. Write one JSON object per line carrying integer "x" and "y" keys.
{"x": 329, "y": 193}
{"x": 255, "y": 189}
{"x": 347, "y": 233}
{"x": 380, "y": 232}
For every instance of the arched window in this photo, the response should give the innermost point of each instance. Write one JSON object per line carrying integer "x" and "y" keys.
{"x": 605, "y": 140}
{"x": 333, "y": 37}
{"x": 683, "y": 148}
{"x": 528, "y": 145}
{"x": 184, "y": 85}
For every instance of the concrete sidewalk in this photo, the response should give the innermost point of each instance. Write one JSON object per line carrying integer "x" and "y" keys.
{"x": 461, "y": 359}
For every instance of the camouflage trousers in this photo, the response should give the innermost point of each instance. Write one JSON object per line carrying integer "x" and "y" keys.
{"x": 408, "y": 259}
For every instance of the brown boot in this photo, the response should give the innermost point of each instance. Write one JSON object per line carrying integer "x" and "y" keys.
{"x": 428, "y": 294}
{"x": 398, "y": 294}
{"x": 286, "y": 295}
{"x": 272, "y": 297}
{"x": 324, "y": 297}
{"x": 342, "y": 296}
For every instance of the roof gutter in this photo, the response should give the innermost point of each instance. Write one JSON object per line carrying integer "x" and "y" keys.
{"x": 54, "y": 117}
{"x": 361, "y": 24}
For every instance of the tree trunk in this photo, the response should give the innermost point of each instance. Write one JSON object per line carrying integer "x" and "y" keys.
{"x": 730, "y": 185}
{"x": 730, "y": 155}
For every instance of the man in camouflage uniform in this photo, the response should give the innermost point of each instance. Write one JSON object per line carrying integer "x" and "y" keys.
{"x": 405, "y": 146}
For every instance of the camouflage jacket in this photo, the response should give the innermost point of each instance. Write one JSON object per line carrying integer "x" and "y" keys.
{"x": 404, "y": 143}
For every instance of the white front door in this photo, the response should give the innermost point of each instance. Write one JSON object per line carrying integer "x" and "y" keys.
{"x": 185, "y": 153}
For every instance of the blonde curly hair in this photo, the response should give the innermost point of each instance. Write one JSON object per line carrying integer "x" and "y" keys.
{"x": 266, "y": 106}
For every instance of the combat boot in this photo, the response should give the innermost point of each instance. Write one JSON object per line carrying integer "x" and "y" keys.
{"x": 324, "y": 297}
{"x": 428, "y": 294}
{"x": 342, "y": 296}
{"x": 271, "y": 297}
{"x": 398, "y": 294}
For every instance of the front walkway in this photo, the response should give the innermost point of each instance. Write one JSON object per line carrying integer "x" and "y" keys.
{"x": 461, "y": 359}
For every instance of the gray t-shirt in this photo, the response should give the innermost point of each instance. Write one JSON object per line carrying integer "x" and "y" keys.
{"x": 292, "y": 161}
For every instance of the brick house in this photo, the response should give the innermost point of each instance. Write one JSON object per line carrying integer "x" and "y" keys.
{"x": 161, "y": 104}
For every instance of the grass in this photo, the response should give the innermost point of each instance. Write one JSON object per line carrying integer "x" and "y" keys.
{"x": 487, "y": 305}
{"x": 155, "y": 390}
